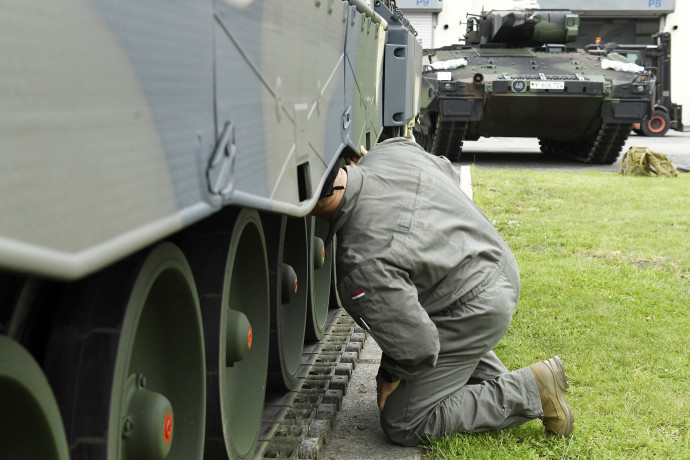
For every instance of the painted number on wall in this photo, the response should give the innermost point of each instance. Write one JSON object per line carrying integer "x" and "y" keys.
{"x": 426, "y": 2}
{"x": 652, "y": 3}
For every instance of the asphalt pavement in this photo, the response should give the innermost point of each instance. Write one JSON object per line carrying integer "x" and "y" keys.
{"x": 519, "y": 153}
{"x": 356, "y": 433}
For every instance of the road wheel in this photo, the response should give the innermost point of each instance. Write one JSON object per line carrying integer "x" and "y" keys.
{"x": 288, "y": 255}
{"x": 228, "y": 257}
{"x": 335, "y": 300}
{"x": 131, "y": 338}
{"x": 30, "y": 418}
{"x": 320, "y": 261}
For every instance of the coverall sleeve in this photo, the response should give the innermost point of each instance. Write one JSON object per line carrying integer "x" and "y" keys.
{"x": 383, "y": 300}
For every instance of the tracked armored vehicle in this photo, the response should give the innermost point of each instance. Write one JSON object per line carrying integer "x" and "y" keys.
{"x": 515, "y": 76}
{"x": 158, "y": 161}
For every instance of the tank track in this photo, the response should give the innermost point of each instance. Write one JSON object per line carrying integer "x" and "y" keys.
{"x": 446, "y": 139}
{"x": 604, "y": 149}
{"x": 296, "y": 424}
{"x": 422, "y": 139}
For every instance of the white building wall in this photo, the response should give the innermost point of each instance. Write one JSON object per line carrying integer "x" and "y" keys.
{"x": 452, "y": 21}
{"x": 423, "y": 24}
{"x": 678, "y": 24}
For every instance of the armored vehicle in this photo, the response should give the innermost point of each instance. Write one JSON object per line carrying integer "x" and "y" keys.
{"x": 158, "y": 161}
{"x": 515, "y": 76}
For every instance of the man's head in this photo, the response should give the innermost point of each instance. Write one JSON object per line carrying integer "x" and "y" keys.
{"x": 331, "y": 194}
{"x": 334, "y": 188}
{"x": 328, "y": 186}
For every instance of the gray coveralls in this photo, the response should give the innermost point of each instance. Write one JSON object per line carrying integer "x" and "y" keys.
{"x": 424, "y": 271}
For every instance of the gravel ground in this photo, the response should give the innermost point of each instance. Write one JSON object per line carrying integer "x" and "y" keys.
{"x": 356, "y": 433}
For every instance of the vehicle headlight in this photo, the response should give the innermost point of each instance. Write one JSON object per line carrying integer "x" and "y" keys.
{"x": 641, "y": 84}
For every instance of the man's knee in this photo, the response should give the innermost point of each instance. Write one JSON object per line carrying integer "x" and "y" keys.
{"x": 401, "y": 435}
{"x": 411, "y": 431}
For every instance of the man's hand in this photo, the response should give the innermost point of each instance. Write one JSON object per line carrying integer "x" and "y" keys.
{"x": 353, "y": 160}
{"x": 384, "y": 390}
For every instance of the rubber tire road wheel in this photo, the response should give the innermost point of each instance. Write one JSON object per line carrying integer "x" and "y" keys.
{"x": 29, "y": 415}
{"x": 227, "y": 253}
{"x": 125, "y": 357}
{"x": 320, "y": 261}
{"x": 288, "y": 255}
{"x": 657, "y": 125}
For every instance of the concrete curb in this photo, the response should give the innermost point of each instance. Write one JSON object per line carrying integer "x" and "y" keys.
{"x": 466, "y": 181}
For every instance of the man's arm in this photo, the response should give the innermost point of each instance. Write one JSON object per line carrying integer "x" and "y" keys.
{"x": 354, "y": 159}
{"x": 383, "y": 300}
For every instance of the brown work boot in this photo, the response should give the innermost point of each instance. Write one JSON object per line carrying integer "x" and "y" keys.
{"x": 552, "y": 383}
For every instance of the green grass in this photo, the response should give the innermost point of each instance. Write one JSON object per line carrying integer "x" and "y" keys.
{"x": 605, "y": 267}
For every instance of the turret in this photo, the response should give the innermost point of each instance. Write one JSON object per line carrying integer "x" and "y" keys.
{"x": 523, "y": 27}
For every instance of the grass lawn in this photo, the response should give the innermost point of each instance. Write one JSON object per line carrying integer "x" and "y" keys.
{"x": 605, "y": 267}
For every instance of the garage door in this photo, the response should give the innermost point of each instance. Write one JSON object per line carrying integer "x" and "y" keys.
{"x": 422, "y": 22}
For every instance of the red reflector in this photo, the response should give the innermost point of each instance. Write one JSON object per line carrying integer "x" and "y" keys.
{"x": 167, "y": 428}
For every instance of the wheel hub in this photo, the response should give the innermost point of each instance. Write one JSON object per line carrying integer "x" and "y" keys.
{"x": 288, "y": 283}
{"x": 239, "y": 337}
{"x": 147, "y": 427}
{"x": 319, "y": 252}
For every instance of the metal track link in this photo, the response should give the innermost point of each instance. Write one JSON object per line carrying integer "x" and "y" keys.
{"x": 608, "y": 143}
{"x": 448, "y": 139}
{"x": 296, "y": 424}
{"x": 604, "y": 149}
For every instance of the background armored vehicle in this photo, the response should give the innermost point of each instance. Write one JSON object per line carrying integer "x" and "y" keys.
{"x": 516, "y": 77}
{"x": 157, "y": 163}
